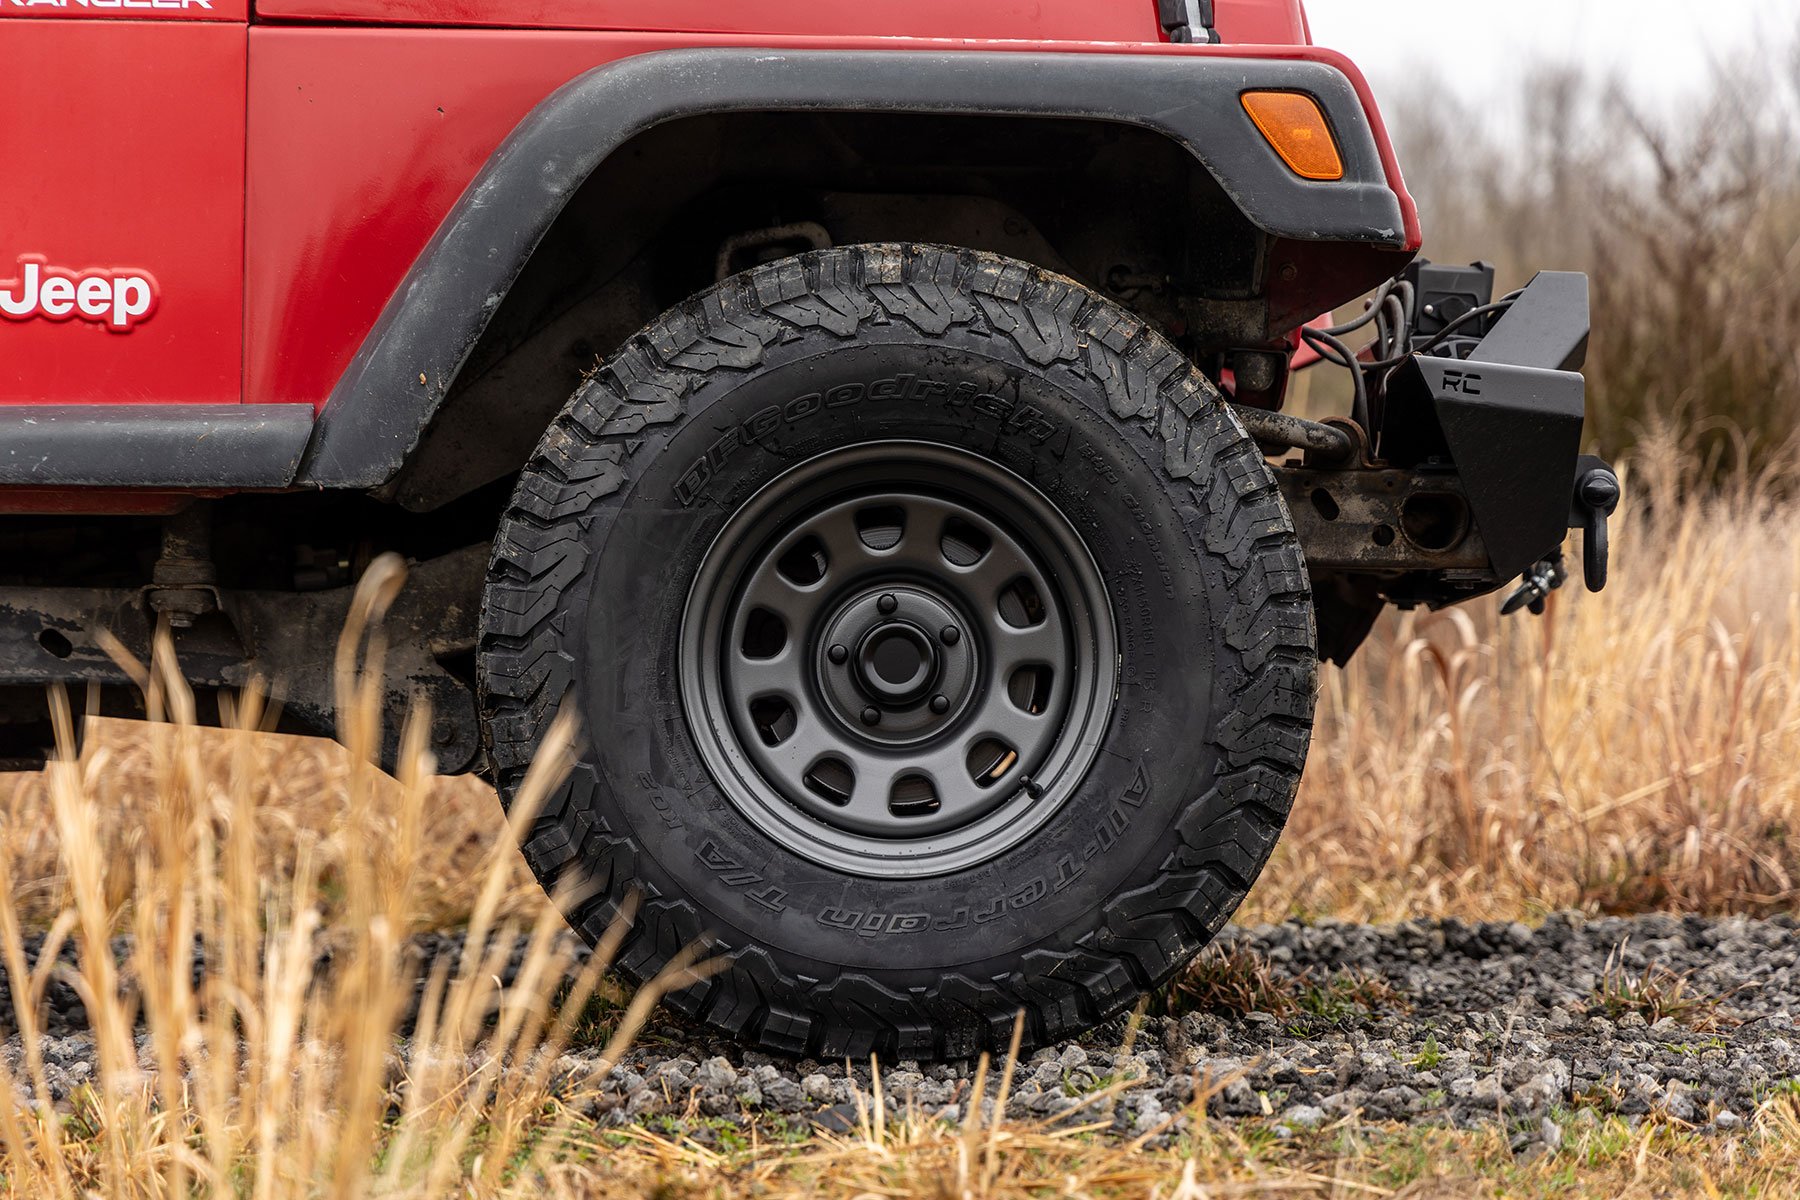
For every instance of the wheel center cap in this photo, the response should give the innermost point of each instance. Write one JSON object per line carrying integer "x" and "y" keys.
{"x": 897, "y": 662}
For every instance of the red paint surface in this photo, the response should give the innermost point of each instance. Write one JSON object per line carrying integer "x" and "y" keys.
{"x": 94, "y": 502}
{"x": 362, "y": 139}
{"x": 1040, "y": 20}
{"x": 128, "y": 10}
{"x": 1384, "y": 144}
{"x": 1261, "y": 22}
{"x": 122, "y": 147}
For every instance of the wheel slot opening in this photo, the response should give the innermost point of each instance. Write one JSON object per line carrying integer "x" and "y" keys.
{"x": 774, "y": 718}
{"x": 1029, "y": 689}
{"x": 881, "y": 527}
{"x": 805, "y": 563}
{"x": 1020, "y": 604}
{"x": 989, "y": 761}
{"x": 832, "y": 780}
{"x": 1434, "y": 520}
{"x": 913, "y": 796}
{"x": 765, "y": 635}
{"x": 963, "y": 544}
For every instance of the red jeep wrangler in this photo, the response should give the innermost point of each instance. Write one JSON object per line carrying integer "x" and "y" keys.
{"x": 866, "y": 414}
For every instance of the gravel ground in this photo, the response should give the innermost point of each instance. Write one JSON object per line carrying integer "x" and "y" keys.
{"x": 1476, "y": 1023}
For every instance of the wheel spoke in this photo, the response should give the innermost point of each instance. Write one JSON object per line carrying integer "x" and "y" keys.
{"x": 983, "y": 581}
{"x": 917, "y": 549}
{"x": 868, "y": 807}
{"x": 947, "y": 766}
{"x": 844, "y": 547}
{"x": 771, "y": 590}
{"x": 877, "y": 780}
{"x": 1015, "y": 647}
{"x": 783, "y": 675}
{"x": 791, "y": 760}
{"x": 999, "y": 718}
{"x": 1004, "y": 564}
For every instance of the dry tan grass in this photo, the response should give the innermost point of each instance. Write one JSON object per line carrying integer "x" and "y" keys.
{"x": 1630, "y": 751}
{"x": 292, "y": 790}
{"x": 291, "y": 783}
{"x": 1633, "y": 750}
{"x": 910, "y": 1157}
{"x": 270, "y": 1078}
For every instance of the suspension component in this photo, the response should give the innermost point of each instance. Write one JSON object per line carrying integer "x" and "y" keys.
{"x": 1325, "y": 445}
{"x": 1544, "y": 577}
{"x": 184, "y": 583}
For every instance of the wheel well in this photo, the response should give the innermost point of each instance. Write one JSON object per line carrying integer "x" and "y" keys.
{"x": 1124, "y": 210}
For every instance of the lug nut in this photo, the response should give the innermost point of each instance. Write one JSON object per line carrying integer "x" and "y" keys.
{"x": 950, "y": 635}
{"x": 887, "y": 604}
{"x": 838, "y": 655}
{"x": 871, "y": 715}
{"x": 940, "y": 705}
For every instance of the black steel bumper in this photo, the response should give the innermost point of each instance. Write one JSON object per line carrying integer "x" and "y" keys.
{"x": 1505, "y": 420}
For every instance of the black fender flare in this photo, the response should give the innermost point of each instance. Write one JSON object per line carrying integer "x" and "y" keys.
{"x": 379, "y": 409}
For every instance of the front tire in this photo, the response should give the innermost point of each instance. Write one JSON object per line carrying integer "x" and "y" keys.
{"x": 942, "y": 643}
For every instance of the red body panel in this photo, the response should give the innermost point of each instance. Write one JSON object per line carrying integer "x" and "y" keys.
{"x": 126, "y": 142}
{"x": 122, "y": 154}
{"x": 1036, "y": 20}
{"x": 130, "y": 10}
{"x": 92, "y": 502}
{"x": 362, "y": 139}
{"x": 1262, "y": 22}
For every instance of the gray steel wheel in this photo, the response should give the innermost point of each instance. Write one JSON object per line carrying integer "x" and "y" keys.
{"x": 898, "y": 659}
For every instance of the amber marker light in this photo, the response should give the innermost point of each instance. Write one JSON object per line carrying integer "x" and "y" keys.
{"x": 1294, "y": 125}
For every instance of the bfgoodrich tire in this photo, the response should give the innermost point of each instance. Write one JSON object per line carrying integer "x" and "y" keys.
{"x": 941, "y": 642}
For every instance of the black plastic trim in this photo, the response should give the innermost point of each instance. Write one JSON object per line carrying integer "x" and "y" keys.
{"x": 379, "y": 409}
{"x": 153, "y": 445}
{"x": 1187, "y": 20}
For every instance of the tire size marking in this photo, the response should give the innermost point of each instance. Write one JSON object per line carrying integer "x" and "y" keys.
{"x": 1024, "y": 420}
{"x": 665, "y": 811}
{"x": 870, "y": 923}
{"x": 1130, "y": 593}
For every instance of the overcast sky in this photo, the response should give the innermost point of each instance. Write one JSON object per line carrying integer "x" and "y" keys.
{"x": 1659, "y": 48}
